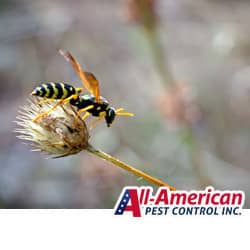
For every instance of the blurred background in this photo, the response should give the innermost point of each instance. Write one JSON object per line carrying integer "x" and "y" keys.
{"x": 183, "y": 67}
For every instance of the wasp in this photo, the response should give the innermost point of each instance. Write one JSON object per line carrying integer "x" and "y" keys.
{"x": 92, "y": 103}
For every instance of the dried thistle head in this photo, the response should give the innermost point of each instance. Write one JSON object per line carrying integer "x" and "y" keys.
{"x": 60, "y": 133}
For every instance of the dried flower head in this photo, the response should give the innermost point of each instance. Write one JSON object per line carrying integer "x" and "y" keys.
{"x": 60, "y": 133}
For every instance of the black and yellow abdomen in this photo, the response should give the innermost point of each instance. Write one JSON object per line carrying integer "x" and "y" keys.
{"x": 55, "y": 90}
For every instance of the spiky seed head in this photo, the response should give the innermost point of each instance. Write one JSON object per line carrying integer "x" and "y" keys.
{"x": 60, "y": 133}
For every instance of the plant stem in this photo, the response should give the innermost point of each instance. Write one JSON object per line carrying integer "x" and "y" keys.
{"x": 196, "y": 156}
{"x": 127, "y": 167}
{"x": 158, "y": 56}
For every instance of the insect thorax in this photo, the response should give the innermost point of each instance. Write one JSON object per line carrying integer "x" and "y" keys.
{"x": 87, "y": 100}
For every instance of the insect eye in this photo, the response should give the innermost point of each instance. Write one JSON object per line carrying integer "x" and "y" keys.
{"x": 111, "y": 112}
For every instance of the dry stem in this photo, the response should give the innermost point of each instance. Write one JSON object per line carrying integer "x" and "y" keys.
{"x": 127, "y": 167}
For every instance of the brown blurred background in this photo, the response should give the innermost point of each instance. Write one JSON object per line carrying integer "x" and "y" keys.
{"x": 206, "y": 45}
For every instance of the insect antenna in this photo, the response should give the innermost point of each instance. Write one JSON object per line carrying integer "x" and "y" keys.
{"x": 122, "y": 112}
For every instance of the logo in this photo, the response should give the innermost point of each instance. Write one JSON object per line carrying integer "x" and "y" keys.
{"x": 140, "y": 201}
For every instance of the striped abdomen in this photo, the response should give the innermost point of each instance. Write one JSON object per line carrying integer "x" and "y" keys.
{"x": 54, "y": 90}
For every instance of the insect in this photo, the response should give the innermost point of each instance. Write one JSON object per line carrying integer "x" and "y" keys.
{"x": 92, "y": 104}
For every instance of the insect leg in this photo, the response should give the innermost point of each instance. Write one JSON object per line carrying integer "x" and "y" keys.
{"x": 47, "y": 112}
{"x": 46, "y": 101}
{"x": 85, "y": 109}
{"x": 93, "y": 123}
{"x": 85, "y": 116}
{"x": 61, "y": 102}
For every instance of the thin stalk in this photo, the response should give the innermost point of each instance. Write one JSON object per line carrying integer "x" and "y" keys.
{"x": 127, "y": 167}
{"x": 159, "y": 58}
{"x": 196, "y": 156}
